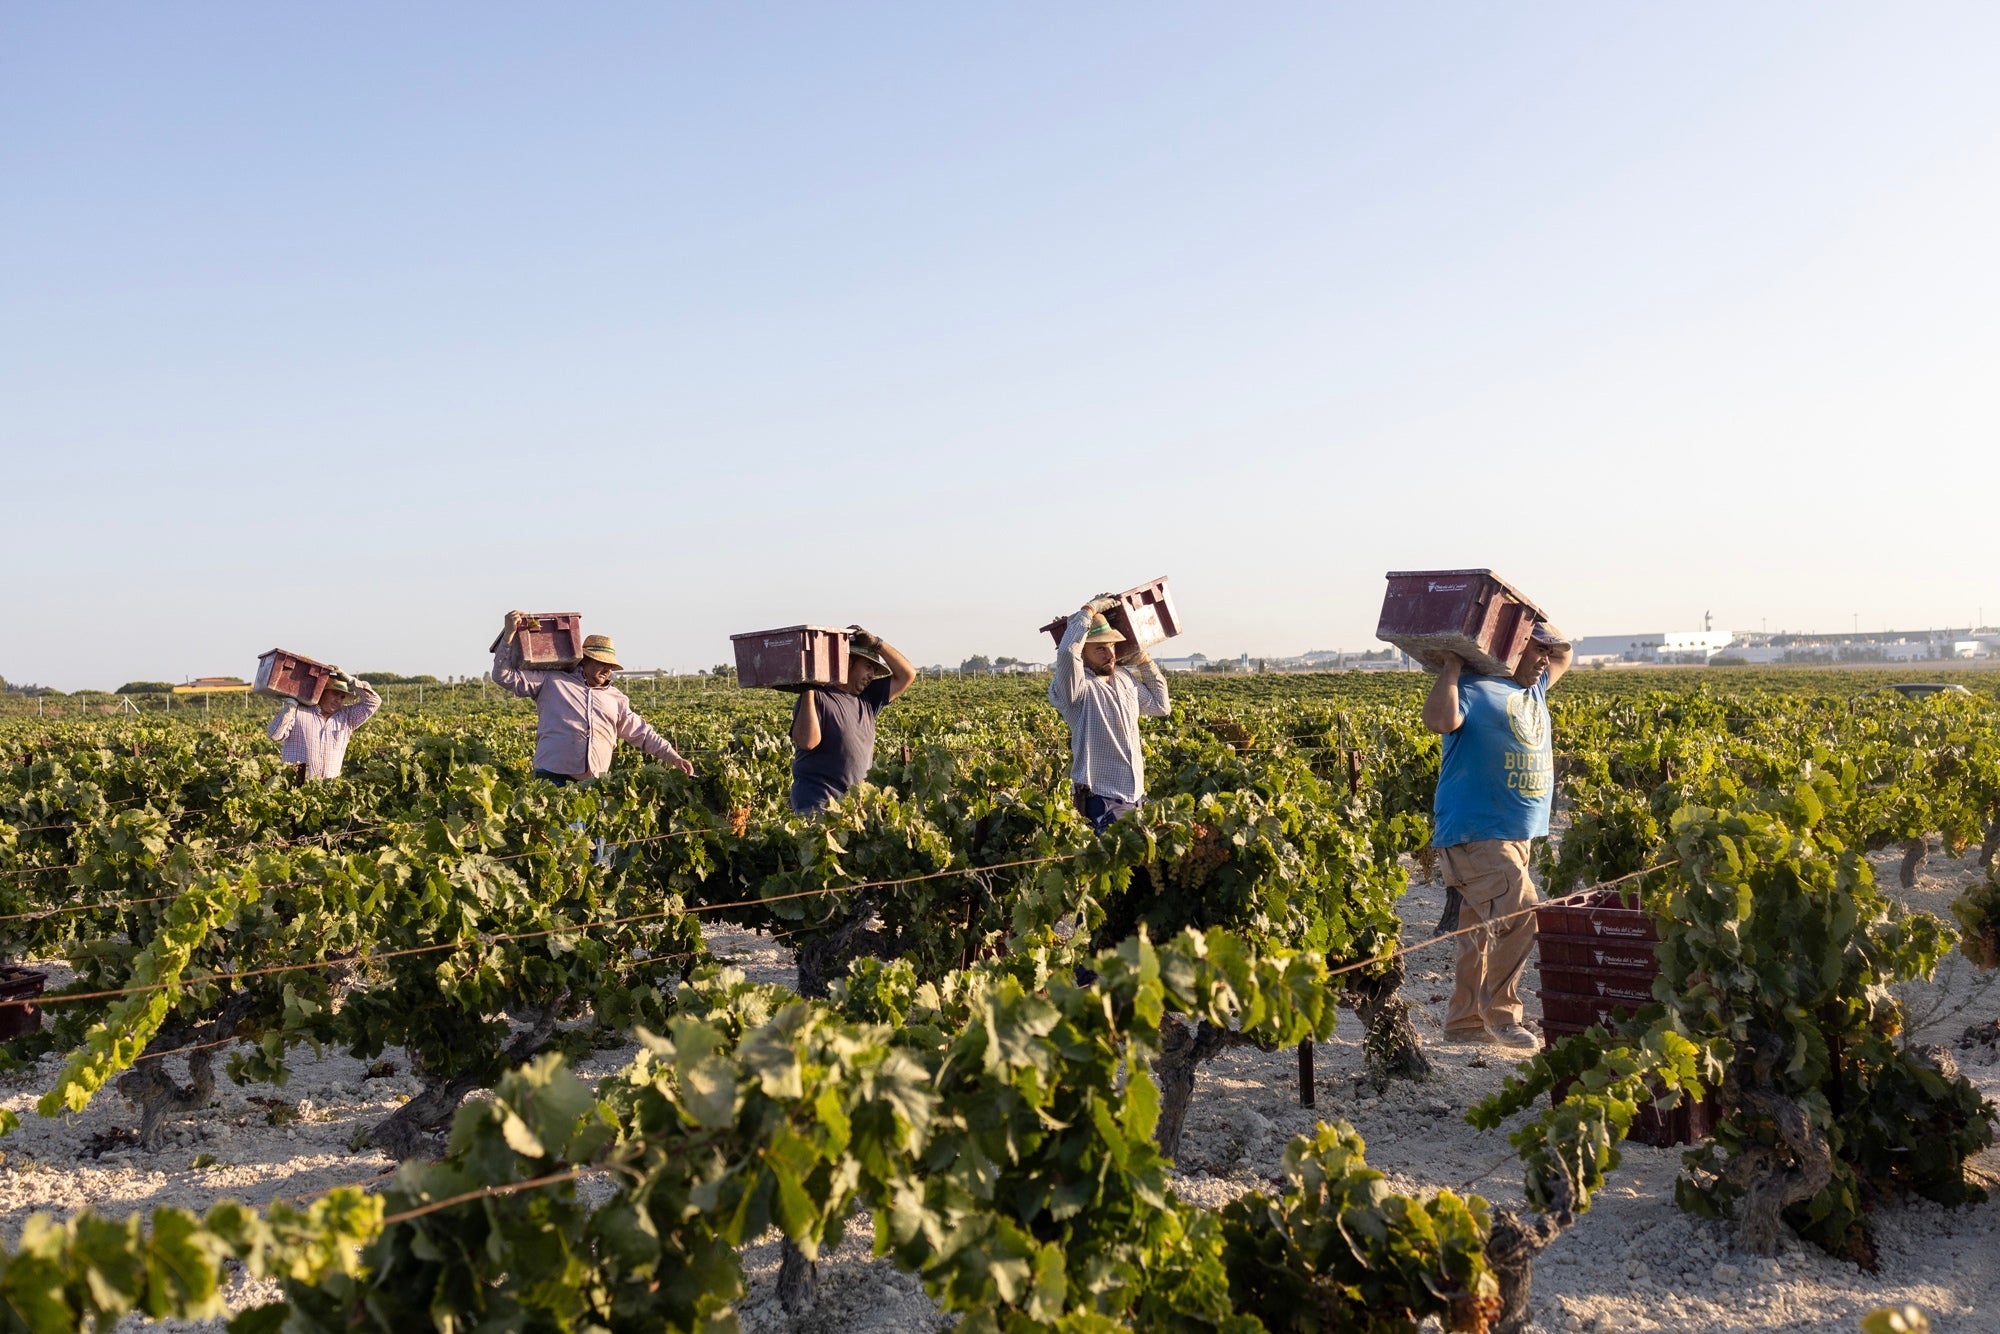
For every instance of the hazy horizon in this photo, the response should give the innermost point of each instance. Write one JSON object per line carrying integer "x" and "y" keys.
{"x": 1180, "y": 647}
{"x": 348, "y": 331}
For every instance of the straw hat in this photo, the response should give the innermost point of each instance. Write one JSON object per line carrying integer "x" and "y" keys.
{"x": 1102, "y": 633}
{"x": 599, "y": 648}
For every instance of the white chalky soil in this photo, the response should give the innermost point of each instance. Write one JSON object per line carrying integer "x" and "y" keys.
{"x": 1635, "y": 1262}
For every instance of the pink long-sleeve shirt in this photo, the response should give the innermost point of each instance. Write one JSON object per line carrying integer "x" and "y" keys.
{"x": 579, "y": 727}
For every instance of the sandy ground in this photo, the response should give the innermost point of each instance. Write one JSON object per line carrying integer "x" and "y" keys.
{"x": 1634, "y": 1263}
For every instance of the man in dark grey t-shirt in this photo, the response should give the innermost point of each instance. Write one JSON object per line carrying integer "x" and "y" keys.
{"x": 834, "y": 730}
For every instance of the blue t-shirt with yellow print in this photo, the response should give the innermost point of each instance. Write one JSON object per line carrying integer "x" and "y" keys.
{"x": 1499, "y": 769}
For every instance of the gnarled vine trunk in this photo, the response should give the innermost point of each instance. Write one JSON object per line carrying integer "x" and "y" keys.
{"x": 1772, "y": 1177}
{"x": 1393, "y": 1049}
{"x": 1511, "y": 1249}
{"x": 1182, "y": 1050}
{"x": 1913, "y": 857}
{"x": 156, "y": 1093}
{"x": 411, "y": 1131}
{"x": 158, "y": 1097}
{"x": 1448, "y": 919}
{"x": 821, "y": 960}
{"x": 798, "y": 1280}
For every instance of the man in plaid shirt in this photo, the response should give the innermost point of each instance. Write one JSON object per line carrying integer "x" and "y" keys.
{"x": 315, "y": 739}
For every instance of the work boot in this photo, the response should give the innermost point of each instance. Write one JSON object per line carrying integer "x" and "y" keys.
{"x": 1514, "y": 1035}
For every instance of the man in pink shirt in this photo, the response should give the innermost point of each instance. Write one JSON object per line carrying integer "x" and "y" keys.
{"x": 582, "y": 715}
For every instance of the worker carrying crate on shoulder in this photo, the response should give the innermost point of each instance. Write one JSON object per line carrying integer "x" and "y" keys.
{"x": 582, "y": 716}
{"x": 1101, "y": 690}
{"x": 1493, "y": 796}
{"x": 834, "y": 730}
{"x": 315, "y": 736}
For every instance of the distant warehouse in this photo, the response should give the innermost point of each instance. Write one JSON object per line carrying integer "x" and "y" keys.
{"x": 1659, "y": 646}
{"x": 1699, "y": 646}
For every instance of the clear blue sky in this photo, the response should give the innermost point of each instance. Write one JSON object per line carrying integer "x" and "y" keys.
{"x": 349, "y": 327}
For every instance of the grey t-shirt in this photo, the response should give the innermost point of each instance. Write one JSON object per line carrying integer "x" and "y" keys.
{"x": 846, "y": 746}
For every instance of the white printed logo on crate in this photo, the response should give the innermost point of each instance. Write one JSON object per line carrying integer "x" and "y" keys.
{"x": 1433, "y": 586}
{"x": 1619, "y": 961}
{"x": 1601, "y": 929}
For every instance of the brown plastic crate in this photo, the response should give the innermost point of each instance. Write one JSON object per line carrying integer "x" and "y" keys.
{"x": 1144, "y": 615}
{"x": 1633, "y": 988}
{"x": 1601, "y": 917}
{"x": 1619, "y": 957}
{"x": 18, "y": 983}
{"x": 285, "y": 675}
{"x": 551, "y": 641}
{"x": 1573, "y": 1013}
{"x": 1473, "y": 613}
{"x": 796, "y": 657}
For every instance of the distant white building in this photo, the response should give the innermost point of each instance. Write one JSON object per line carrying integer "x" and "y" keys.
{"x": 1919, "y": 650}
{"x": 1654, "y": 646}
{"x": 1201, "y": 662}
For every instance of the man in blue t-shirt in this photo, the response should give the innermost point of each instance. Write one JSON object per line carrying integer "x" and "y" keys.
{"x": 834, "y": 730}
{"x": 1493, "y": 797}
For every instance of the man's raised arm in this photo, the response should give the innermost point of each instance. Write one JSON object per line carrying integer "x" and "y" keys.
{"x": 805, "y": 721}
{"x": 901, "y": 671}
{"x": 1561, "y": 657}
{"x": 1154, "y": 701}
{"x": 507, "y": 673}
{"x": 1066, "y": 686}
{"x": 1441, "y": 712}
{"x": 366, "y": 702}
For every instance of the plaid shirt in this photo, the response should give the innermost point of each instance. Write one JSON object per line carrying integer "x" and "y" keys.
{"x": 318, "y": 740}
{"x": 578, "y": 726}
{"x": 1103, "y": 716}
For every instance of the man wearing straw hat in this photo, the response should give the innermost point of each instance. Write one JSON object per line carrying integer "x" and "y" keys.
{"x": 1101, "y": 691}
{"x": 582, "y": 715}
{"x": 1494, "y": 791}
{"x": 834, "y": 730}
{"x": 315, "y": 740}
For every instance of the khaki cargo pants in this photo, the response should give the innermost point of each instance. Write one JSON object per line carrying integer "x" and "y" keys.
{"x": 1492, "y": 877}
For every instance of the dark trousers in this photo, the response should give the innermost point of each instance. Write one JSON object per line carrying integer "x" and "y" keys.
{"x": 560, "y": 780}
{"x": 1101, "y": 811}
